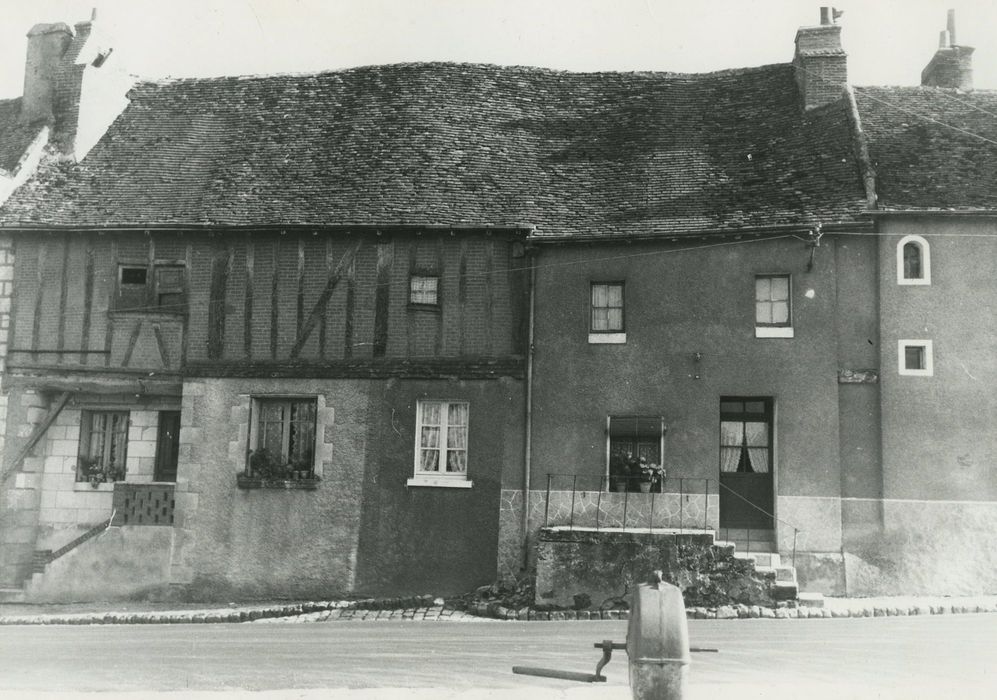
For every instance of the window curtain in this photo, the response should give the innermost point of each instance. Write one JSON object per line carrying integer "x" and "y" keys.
{"x": 731, "y": 441}
{"x": 457, "y": 437}
{"x": 429, "y": 439}
{"x": 912, "y": 261}
{"x": 756, "y": 440}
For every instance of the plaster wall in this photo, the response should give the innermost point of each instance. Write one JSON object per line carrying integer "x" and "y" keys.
{"x": 682, "y": 299}
{"x": 120, "y": 563}
{"x": 233, "y": 542}
{"x": 418, "y": 539}
{"x": 939, "y": 441}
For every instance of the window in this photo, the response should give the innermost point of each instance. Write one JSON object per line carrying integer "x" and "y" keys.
{"x": 169, "y": 292}
{"x": 424, "y": 289}
{"x": 635, "y": 446}
{"x": 103, "y": 446}
{"x": 773, "y": 312}
{"x": 913, "y": 261}
{"x": 163, "y": 291}
{"x": 746, "y": 436}
{"x": 441, "y": 444}
{"x": 606, "y": 323}
{"x": 915, "y": 358}
{"x": 282, "y": 438}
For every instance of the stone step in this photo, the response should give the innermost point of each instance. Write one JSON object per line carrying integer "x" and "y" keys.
{"x": 785, "y": 591}
{"x": 760, "y": 558}
{"x": 810, "y": 600}
{"x": 733, "y": 533}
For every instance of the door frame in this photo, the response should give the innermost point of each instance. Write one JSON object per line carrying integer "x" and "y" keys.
{"x": 759, "y": 521}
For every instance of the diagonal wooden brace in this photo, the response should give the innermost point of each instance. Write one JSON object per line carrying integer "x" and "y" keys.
{"x": 323, "y": 300}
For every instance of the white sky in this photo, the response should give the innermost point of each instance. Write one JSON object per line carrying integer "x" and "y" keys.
{"x": 888, "y": 41}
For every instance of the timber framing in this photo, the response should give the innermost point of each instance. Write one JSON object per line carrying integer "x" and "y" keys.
{"x": 430, "y": 368}
{"x": 320, "y": 305}
{"x": 54, "y": 410}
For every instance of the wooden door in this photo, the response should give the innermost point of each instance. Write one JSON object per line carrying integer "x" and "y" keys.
{"x": 746, "y": 440}
{"x": 167, "y": 446}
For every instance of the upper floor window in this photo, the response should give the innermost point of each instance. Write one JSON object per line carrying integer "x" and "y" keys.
{"x": 162, "y": 291}
{"x": 916, "y": 358}
{"x": 424, "y": 289}
{"x": 606, "y": 323}
{"x": 282, "y": 438}
{"x": 441, "y": 444}
{"x": 913, "y": 261}
{"x": 103, "y": 446}
{"x": 773, "y": 308}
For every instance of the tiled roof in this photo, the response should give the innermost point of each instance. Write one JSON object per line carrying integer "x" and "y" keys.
{"x": 463, "y": 144}
{"x": 14, "y": 137}
{"x": 931, "y": 147}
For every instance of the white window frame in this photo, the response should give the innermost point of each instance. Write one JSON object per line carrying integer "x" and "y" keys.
{"x": 609, "y": 337}
{"x": 254, "y": 425}
{"x": 413, "y": 292}
{"x": 774, "y": 331}
{"x": 440, "y": 478}
{"x": 929, "y": 362}
{"x": 925, "y": 278}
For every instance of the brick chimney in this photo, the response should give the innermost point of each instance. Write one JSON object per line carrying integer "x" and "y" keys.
{"x": 820, "y": 63}
{"x": 952, "y": 64}
{"x": 73, "y": 82}
{"x": 47, "y": 43}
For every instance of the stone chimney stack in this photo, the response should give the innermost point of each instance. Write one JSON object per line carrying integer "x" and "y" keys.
{"x": 820, "y": 63}
{"x": 47, "y": 44}
{"x": 952, "y": 64}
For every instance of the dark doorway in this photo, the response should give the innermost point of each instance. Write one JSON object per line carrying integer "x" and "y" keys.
{"x": 167, "y": 446}
{"x": 746, "y": 440}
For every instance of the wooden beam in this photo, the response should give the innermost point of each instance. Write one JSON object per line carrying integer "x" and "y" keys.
{"x": 323, "y": 299}
{"x": 220, "y": 264}
{"x": 462, "y": 298}
{"x": 132, "y": 339}
{"x": 53, "y": 413}
{"x": 351, "y": 296}
{"x": 247, "y": 320}
{"x": 39, "y": 295}
{"x": 382, "y": 297}
{"x": 87, "y": 298}
{"x": 275, "y": 299}
{"x": 164, "y": 354}
{"x": 60, "y": 338}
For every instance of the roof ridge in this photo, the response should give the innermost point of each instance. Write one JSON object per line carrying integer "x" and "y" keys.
{"x": 539, "y": 70}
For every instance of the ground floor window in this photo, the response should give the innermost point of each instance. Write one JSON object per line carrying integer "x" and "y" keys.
{"x": 282, "y": 438}
{"x": 103, "y": 446}
{"x": 634, "y": 446}
{"x": 442, "y": 438}
{"x": 746, "y": 435}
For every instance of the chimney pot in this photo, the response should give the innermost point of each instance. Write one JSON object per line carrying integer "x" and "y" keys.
{"x": 825, "y": 15}
{"x": 952, "y": 64}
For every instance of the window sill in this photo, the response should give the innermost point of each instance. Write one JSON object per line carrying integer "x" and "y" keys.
{"x": 250, "y": 482}
{"x": 107, "y": 486}
{"x": 773, "y": 331}
{"x": 914, "y": 282}
{"x": 146, "y": 313}
{"x": 607, "y": 338}
{"x": 440, "y": 482}
{"x": 433, "y": 308}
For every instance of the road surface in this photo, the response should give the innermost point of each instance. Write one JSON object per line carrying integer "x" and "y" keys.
{"x": 931, "y": 656}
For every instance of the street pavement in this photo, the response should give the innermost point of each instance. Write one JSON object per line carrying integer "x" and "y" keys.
{"x": 938, "y": 656}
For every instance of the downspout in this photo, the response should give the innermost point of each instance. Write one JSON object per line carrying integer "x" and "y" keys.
{"x": 528, "y": 457}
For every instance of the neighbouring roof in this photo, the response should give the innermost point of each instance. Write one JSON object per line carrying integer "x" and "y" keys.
{"x": 14, "y": 136}
{"x": 931, "y": 148}
{"x": 463, "y": 144}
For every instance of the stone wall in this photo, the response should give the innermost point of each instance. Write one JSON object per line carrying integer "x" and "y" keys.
{"x": 587, "y": 569}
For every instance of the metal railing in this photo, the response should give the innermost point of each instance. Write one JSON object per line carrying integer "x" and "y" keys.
{"x": 796, "y": 530}
{"x": 620, "y": 502}
{"x": 628, "y": 502}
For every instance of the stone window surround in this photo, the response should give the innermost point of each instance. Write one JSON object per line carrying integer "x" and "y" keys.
{"x": 925, "y": 278}
{"x": 929, "y": 361}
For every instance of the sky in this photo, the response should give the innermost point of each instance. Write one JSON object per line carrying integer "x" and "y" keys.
{"x": 888, "y": 41}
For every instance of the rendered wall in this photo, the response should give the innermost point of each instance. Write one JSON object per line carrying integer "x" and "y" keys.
{"x": 680, "y": 302}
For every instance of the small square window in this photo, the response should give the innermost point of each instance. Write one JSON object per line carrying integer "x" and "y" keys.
{"x": 424, "y": 289}
{"x": 282, "y": 438}
{"x": 169, "y": 291}
{"x": 103, "y": 446}
{"x": 441, "y": 444}
{"x": 915, "y": 358}
{"x": 773, "y": 307}
{"x": 163, "y": 291}
{"x": 133, "y": 276}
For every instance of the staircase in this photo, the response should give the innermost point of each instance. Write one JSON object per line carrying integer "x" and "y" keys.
{"x": 759, "y": 547}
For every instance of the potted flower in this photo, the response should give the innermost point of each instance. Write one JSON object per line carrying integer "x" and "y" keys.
{"x": 650, "y": 474}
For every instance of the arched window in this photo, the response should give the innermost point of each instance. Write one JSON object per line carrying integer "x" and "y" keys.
{"x": 913, "y": 261}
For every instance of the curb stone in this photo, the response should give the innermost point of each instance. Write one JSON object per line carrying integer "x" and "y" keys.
{"x": 421, "y": 608}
